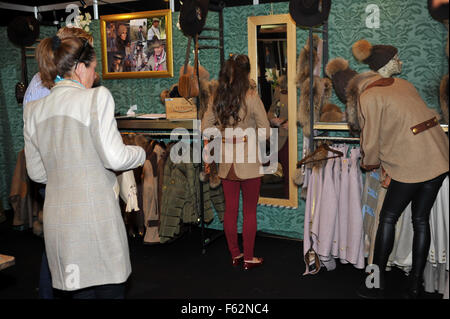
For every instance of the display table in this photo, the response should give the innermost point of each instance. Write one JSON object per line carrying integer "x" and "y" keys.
{"x": 6, "y": 261}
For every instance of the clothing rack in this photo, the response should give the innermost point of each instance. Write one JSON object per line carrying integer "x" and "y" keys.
{"x": 164, "y": 128}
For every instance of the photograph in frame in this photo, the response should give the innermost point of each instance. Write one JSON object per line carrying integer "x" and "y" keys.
{"x": 137, "y": 45}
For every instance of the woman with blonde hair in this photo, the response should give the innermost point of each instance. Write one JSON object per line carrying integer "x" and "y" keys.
{"x": 72, "y": 145}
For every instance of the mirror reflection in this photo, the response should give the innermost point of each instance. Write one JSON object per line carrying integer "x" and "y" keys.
{"x": 272, "y": 87}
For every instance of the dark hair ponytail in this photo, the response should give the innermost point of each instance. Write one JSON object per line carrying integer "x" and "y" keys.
{"x": 232, "y": 89}
{"x": 58, "y": 56}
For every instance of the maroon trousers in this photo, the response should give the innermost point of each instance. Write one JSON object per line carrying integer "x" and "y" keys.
{"x": 250, "y": 195}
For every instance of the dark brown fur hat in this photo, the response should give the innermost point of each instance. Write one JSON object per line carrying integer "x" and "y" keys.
{"x": 331, "y": 113}
{"x": 340, "y": 73}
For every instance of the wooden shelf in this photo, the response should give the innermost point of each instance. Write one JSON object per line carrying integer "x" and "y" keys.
{"x": 6, "y": 261}
{"x": 344, "y": 126}
{"x": 331, "y": 126}
{"x": 149, "y": 124}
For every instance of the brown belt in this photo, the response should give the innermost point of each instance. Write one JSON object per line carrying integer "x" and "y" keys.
{"x": 235, "y": 140}
{"x": 419, "y": 128}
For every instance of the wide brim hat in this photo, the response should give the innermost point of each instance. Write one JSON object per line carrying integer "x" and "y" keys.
{"x": 23, "y": 30}
{"x": 439, "y": 13}
{"x": 193, "y": 15}
{"x": 309, "y": 13}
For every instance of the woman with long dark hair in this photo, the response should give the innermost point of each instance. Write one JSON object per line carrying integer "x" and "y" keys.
{"x": 236, "y": 105}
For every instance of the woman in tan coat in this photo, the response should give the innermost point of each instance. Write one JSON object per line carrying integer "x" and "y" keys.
{"x": 402, "y": 135}
{"x": 237, "y": 106}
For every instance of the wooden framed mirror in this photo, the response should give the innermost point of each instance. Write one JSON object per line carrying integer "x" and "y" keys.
{"x": 272, "y": 48}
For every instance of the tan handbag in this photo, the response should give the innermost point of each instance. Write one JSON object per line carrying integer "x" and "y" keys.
{"x": 188, "y": 83}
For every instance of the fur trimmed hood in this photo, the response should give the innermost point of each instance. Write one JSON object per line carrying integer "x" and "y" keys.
{"x": 354, "y": 89}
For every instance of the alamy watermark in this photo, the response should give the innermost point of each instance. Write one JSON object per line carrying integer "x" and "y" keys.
{"x": 73, "y": 277}
{"x": 373, "y": 16}
{"x": 373, "y": 279}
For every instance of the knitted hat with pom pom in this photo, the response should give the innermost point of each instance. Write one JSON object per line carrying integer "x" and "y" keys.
{"x": 376, "y": 56}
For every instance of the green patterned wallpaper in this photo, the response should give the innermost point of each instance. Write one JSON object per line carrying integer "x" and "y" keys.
{"x": 404, "y": 24}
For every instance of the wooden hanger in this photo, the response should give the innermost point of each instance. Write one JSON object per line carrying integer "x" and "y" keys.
{"x": 321, "y": 148}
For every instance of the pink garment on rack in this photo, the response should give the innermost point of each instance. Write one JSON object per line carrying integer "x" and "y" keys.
{"x": 313, "y": 200}
{"x": 355, "y": 230}
{"x": 337, "y": 187}
{"x": 327, "y": 216}
{"x": 343, "y": 207}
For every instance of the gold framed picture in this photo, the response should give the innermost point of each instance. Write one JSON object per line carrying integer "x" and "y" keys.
{"x": 137, "y": 45}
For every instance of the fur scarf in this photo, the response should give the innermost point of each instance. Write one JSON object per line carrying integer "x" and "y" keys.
{"x": 354, "y": 89}
{"x": 322, "y": 92}
{"x": 303, "y": 61}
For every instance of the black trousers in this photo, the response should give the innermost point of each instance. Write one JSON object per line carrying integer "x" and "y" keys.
{"x": 114, "y": 291}
{"x": 398, "y": 196}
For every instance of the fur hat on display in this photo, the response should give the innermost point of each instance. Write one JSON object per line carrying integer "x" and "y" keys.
{"x": 322, "y": 92}
{"x": 340, "y": 74}
{"x": 376, "y": 56}
{"x": 331, "y": 113}
{"x": 23, "y": 31}
{"x": 309, "y": 13}
{"x": 439, "y": 13}
{"x": 303, "y": 60}
{"x": 193, "y": 15}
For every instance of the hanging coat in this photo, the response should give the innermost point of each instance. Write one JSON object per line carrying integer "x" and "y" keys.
{"x": 312, "y": 208}
{"x": 337, "y": 186}
{"x": 355, "y": 230}
{"x": 343, "y": 207}
{"x": 436, "y": 270}
{"x": 328, "y": 216}
{"x": 150, "y": 193}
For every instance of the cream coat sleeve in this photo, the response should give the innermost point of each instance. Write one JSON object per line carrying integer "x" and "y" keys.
{"x": 108, "y": 142}
{"x": 370, "y": 119}
{"x": 35, "y": 167}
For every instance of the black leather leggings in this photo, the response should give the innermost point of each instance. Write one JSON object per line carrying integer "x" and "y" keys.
{"x": 398, "y": 196}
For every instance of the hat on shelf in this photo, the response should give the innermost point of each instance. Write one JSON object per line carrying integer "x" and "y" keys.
{"x": 340, "y": 74}
{"x": 193, "y": 15}
{"x": 23, "y": 31}
{"x": 376, "y": 56}
{"x": 309, "y": 13}
{"x": 439, "y": 13}
{"x": 331, "y": 113}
